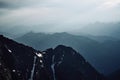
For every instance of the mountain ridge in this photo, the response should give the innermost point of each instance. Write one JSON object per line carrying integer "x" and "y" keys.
{"x": 25, "y": 63}
{"x": 102, "y": 54}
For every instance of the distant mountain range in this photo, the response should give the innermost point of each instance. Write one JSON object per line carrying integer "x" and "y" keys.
{"x": 20, "y": 62}
{"x": 101, "y": 29}
{"x": 101, "y": 51}
{"x": 94, "y": 29}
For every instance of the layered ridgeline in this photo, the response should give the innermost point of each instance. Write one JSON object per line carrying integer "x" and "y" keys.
{"x": 101, "y": 51}
{"x": 20, "y": 62}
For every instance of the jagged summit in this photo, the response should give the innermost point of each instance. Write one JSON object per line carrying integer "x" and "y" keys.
{"x": 20, "y": 62}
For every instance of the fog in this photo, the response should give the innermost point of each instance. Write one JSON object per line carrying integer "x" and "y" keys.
{"x": 18, "y": 16}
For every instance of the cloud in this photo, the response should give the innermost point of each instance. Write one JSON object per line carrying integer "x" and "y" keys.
{"x": 15, "y": 4}
{"x": 70, "y": 14}
{"x": 3, "y": 5}
{"x": 110, "y": 4}
{"x": 9, "y": 5}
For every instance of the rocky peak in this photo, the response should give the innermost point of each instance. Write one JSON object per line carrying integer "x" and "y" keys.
{"x": 20, "y": 62}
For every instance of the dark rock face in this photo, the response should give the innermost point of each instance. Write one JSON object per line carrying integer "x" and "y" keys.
{"x": 17, "y": 59}
{"x": 70, "y": 65}
{"x": 115, "y": 75}
{"x": 20, "y": 62}
{"x": 100, "y": 51}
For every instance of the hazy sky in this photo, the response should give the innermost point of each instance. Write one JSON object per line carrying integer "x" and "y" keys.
{"x": 57, "y": 14}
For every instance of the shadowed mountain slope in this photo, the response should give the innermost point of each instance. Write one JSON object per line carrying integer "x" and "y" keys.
{"x": 20, "y": 62}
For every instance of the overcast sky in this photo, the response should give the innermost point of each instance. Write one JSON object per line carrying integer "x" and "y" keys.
{"x": 59, "y": 15}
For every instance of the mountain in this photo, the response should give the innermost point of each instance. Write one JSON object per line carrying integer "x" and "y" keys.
{"x": 20, "y": 62}
{"x": 52, "y": 40}
{"x": 11, "y": 34}
{"x": 7, "y": 34}
{"x": 102, "y": 39}
{"x": 16, "y": 60}
{"x": 102, "y": 29}
{"x": 102, "y": 54}
{"x": 115, "y": 75}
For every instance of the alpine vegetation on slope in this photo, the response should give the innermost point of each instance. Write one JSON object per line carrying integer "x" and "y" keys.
{"x": 20, "y": 62}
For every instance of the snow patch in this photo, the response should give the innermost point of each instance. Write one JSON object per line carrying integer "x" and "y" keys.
{"x": 33, "y": 69}
{"x": 39, "y": 55}
{"x": 13, "y": 70}
{"x": 41, "y": 61}
{"x": 43, "y": 52}
{"x": 53, "y": 67}
{"x": 61, "y": 59}
{"x": 42, "y": 66}
{"x": 9, "y": 51}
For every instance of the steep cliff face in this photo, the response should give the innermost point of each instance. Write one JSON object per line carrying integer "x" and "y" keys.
{"x": 18, "y": 59}
{"x": 67, "y": 64}
{"x": 20, "y": 62}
